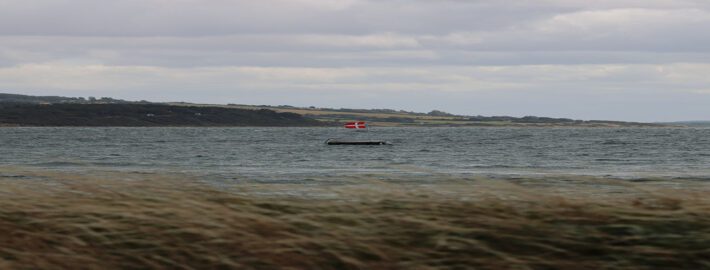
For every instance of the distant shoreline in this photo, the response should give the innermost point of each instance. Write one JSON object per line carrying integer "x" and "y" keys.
{"x": 172, "y": 115}
{"x": 143, "y": 115}
{"x": 54, "y": 111}
{"x": 413, "y": 127}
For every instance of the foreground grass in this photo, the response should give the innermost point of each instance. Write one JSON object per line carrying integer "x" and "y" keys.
{"x": 84, "y": 223}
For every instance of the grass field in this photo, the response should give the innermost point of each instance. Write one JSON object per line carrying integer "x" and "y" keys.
{"x": 378, "y": 119}
{"x": 405, "y": 119}
{"x": 112, "y": 220}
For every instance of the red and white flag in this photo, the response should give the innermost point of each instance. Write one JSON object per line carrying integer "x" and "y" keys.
{"x": 356, "y": 125}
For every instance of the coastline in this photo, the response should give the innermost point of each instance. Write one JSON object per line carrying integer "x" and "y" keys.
{"x": 57, "y": 111}
{"x": 371, "y": 124}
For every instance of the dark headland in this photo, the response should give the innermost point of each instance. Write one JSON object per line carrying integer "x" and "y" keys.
{"x": 23, "y": 110}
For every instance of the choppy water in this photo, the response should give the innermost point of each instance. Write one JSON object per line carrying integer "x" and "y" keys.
{"x": 295, "y": 154}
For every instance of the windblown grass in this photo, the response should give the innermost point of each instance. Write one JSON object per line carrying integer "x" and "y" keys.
{"x": 158, "y": 222}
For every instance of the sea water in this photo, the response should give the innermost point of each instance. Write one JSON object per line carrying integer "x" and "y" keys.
{"x": 299, "y": 154}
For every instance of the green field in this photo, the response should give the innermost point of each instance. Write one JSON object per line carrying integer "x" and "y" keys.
{"x": 378, "y": 118}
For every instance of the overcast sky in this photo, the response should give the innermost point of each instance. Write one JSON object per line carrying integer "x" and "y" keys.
{"x": 638, "y": 60}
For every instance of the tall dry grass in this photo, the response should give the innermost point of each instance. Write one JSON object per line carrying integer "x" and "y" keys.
{"x": 117, "y": 221}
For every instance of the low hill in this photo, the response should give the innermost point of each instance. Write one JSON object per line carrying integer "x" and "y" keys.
{"x": 66, "y": 114}
{"x": 386, "y": 117}
{"x": 67, "y": 111}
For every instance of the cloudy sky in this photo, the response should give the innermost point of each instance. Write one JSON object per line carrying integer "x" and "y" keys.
{"x": 639, "y": 60}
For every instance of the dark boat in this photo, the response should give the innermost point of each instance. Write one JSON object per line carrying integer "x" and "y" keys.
{"x": 370, "y": 142}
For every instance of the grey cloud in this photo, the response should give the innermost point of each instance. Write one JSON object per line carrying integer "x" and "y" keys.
{"x": 325, "y": 51}
{"x": 607, "y": 59}
{"x": 306, "y": 25}
{"x": 196, "y": 18}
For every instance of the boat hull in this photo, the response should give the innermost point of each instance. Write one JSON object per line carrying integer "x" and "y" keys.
{"x": 339, "y": 142}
